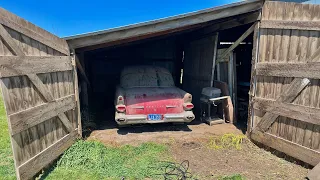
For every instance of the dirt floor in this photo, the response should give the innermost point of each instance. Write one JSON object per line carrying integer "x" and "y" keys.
{"x": 190, "y": 142}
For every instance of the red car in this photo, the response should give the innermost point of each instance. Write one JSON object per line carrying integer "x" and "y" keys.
{"x": 147, "y": 94}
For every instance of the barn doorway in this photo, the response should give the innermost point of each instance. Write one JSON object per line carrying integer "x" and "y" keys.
{"x": 188, "y": 55}
{"x": 238, "y": 75}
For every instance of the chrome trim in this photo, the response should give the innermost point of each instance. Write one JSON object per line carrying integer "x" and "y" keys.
{"x": 138, "y": 107}
{"x": 168, "y": 106}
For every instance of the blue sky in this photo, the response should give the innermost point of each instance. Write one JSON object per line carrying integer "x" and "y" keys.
{"x": 70, "y": 17}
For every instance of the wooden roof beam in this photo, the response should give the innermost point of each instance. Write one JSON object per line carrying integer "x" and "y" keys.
{"x": 238, "y": 41}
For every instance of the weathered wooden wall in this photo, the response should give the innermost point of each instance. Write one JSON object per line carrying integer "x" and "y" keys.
{"x": 223, "y": 66}
{"x": 198, "y": 59}
{"x": 287, "y": 52}
{"x": 34, "y": 107}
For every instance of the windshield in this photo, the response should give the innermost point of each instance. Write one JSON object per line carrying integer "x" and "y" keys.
{"x": 146, "y": 76}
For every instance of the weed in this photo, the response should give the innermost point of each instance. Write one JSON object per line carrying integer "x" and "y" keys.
{"x": 226, "y": 141}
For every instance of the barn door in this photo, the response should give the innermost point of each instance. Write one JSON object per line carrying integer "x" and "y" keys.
{"x": 285, "y": 91}
{"x": 197, "y": 66}
{"x": 38, "y": 86}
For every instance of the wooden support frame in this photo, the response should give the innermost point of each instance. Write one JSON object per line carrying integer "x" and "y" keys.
{"x": 23, "y": 120}
{"x": 307, "y": 70}
{"x": 228, "y": 24}
{"x": 296, "y": 25}
{"x": 302, "y": 113}
{"x": 10, "y": 20}
{"x": 237, "y": 42}
{"x": 33, "y": 77}
{"x": 296, "y": 86}
{"x": 76, "y": 92}
{"x": 256, "y": 37}
{"x": 286, "y": 53}
{"x": 21, "y": 65}
{"x": 81, "y": 69}
{"x": 38, "y": 162}
{"x": 314, "y": 174}
{"x": 216, "y": 39}
{"x": 292, "y": 149}
{"x": 10, "y": 43}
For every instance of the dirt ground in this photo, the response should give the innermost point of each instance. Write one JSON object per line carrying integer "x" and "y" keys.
{"x": 189, "y": 142}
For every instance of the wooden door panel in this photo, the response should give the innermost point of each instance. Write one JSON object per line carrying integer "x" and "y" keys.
{"x": 285, "y": 85}
{"x": 38, "y": 84}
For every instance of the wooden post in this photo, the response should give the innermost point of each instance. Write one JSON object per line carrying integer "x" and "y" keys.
{"x": 253, "y": 80}
{"x": 214, "y": 57}
{"x": 83, "y": 84}
{"x": 218, "y": 72}
{"x": 230, "y": 75}
{"x": 234, "y": 86}
{"x": 76, "y": 92}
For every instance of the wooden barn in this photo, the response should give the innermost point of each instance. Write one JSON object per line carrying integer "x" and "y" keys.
{"x": 265, "y": 55}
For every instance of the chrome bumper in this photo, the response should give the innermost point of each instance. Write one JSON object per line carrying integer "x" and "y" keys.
{"x": 123, "y": 119}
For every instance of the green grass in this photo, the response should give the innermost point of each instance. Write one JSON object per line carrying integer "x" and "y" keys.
{"x": 6, "y": 158}
{"x": 93, "y": 160}
{"x": 232, "y": 177}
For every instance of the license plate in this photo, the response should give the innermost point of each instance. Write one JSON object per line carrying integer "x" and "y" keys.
{"x": 154, "y": 117}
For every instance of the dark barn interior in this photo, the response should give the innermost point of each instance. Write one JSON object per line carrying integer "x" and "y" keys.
{"x": 187, "y": 55}
{"x": 103, "y": 67}
{"x": 208, "y": 48}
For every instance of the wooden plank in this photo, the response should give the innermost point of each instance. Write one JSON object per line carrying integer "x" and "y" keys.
{"x": 302, "y": 70}
{"x": 296, "y": 86}
{"x": 49, "y": 97}
{"x": 162, "y": 25}
{"x": 41, "y": 87}
{"x": 228, "y": 106}
{"x": 314, "y": 174}
{"x": 38, "y": 162}
{"x": 82, "y": 71}
{"x": 21, "y": 65}
{"x": 237, "y": 42}
{"x": 300, "y": 152}
{"x": 302, "y": 113}
{"x": 9, "y": 42}
{"x": 23, "y": 120}
{"x": 228, "y": 24}
{"x": 24, "y": 27}
{"x": 315, "y": 56}
{"x": 64, "y": 119}
{"x": 253, "y": 79}
{"x": 34, "y": 78}
{"x": 216, "y": 39}
{"x": 294, "y": 25}
{"x": 76, "y": 92}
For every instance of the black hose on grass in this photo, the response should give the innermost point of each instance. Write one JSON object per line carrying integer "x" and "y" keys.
{"x": 176, "y": 171}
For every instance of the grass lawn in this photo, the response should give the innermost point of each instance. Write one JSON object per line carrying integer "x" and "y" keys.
{"x": 6, "y": 158}
{"x": 93, "y": 160}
